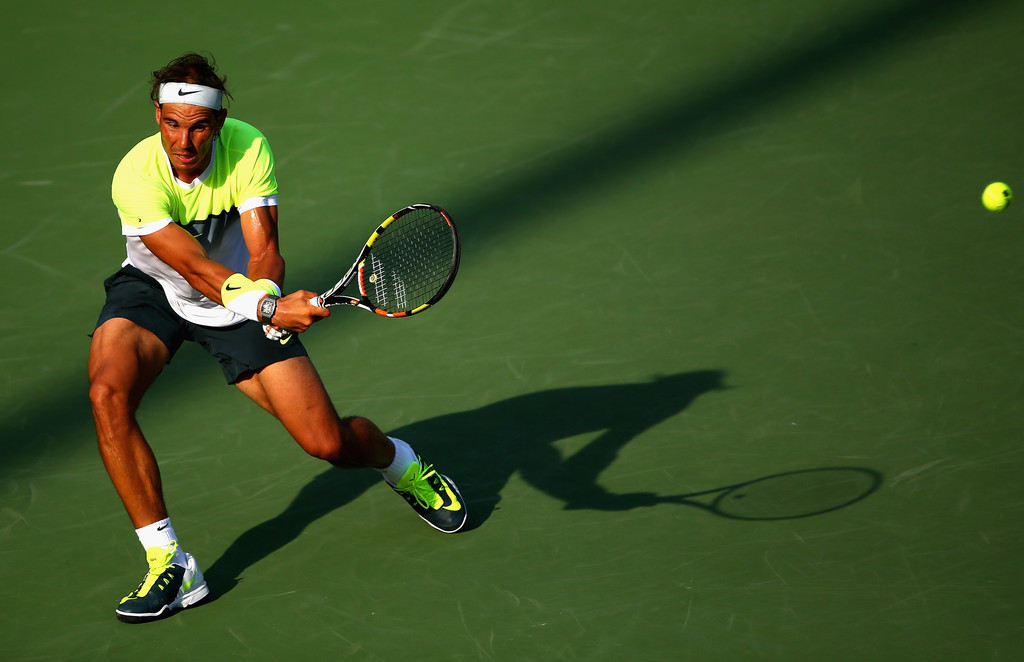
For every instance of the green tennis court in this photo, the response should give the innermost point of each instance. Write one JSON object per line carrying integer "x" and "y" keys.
{"x": 732, "y": 369}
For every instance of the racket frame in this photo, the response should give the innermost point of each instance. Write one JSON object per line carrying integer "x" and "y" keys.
{"x": 333, "y": 296}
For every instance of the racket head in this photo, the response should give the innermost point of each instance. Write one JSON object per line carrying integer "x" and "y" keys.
{"x": 408, "y": 264}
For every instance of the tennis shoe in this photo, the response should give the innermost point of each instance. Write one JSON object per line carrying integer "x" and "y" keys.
{"x": 434, "y": 497}
{"x": 165, "y": 588}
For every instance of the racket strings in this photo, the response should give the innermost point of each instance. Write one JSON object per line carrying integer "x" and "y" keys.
{"x": 410, "y": 263}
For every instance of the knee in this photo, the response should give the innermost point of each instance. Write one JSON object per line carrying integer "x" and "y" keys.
{"x": 113, "y": 414}
{"x": 102, "y": 395}
{"x": 109, "y": 400}
{"x": 354, "y": 444}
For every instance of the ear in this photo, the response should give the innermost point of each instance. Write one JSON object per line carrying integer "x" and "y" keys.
{"x": 156, "y": 104}
{"x": 221, "y": 116}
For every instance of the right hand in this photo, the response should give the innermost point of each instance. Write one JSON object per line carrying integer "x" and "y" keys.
{"x": 295, "y": 313}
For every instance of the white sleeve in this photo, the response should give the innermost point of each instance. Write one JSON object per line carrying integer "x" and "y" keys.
{"x": 253, "y": 203}
{"x": 148, "y": 228}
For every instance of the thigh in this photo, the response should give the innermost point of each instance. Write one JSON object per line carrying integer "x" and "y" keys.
{"x": 124, "y": 359}
{"x": 138, "y": 298}
{"x": 135, "y": 336}
{"x": 243, "y": 349}
{"x": 292, "y": 391}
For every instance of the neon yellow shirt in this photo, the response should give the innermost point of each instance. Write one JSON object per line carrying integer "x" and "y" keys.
{"x": 148, "y": 197}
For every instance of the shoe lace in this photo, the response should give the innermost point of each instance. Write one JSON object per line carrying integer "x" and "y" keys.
{"x": 159, "y": 559}
{"x": 419, "y": 487}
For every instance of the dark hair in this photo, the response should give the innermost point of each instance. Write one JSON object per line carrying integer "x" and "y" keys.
{"x": 189, "y": 68}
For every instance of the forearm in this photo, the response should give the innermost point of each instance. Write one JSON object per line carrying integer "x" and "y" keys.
{"x": 242, "y": 294}
{"x": 259, "y": 227}
{"x": 269, "y": 265}
{"x": 206, "y": 276}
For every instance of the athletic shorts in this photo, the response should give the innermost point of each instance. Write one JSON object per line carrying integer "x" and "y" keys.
{"x": 240, "y": 348}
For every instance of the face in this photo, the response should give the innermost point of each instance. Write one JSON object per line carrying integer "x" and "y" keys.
{"x": 187, "y": 133}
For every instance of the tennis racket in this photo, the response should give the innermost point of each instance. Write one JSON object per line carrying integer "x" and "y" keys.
{"x": 407, "y": 265}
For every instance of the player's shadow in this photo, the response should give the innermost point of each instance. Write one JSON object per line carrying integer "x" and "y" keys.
{"x": 518, "y": 435}
{"x": 480, "y": 449}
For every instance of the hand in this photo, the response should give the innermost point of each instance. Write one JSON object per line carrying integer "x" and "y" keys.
{"x": 274, "y": 333}
{"x": 296, "y": 314}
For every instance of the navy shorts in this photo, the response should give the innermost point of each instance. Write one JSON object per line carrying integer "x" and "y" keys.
{"x": 241, "y": 348}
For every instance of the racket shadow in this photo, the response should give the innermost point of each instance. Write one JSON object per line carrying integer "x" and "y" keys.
{"x": 788, "y": 495}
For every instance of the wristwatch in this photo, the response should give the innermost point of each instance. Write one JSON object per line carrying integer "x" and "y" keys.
{"x": 268, "y": 306}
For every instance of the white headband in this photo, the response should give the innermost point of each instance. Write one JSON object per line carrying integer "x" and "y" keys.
{"x": 190, "y": 93}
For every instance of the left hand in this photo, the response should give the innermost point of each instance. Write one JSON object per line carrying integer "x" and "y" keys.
{"x": 274, "y": 333}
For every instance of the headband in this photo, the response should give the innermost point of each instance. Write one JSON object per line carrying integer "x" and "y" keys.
{"x": 191, "y": 93}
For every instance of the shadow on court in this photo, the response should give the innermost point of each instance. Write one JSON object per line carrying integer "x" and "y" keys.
{"x": 482, "y": 448}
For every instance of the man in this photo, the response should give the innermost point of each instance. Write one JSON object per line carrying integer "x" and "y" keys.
{"x": 198, "y": 208}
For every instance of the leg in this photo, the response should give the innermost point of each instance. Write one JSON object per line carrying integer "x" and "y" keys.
{"x": 124, "y": 359}
{"x": 292, "y": 391}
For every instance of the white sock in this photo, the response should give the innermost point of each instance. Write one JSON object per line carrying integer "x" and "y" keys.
{"x": 405, "y": 456}
{"x": 161, "y": 534}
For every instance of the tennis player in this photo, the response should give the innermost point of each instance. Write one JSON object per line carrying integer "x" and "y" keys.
{"x": 198, "y": 209}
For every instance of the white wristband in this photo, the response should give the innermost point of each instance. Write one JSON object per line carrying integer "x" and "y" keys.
{"x": 241, "y": 295}
{"x": 247, "y": 305}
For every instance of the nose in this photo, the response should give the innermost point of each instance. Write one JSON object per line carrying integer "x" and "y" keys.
{"x": 181, "y": 140}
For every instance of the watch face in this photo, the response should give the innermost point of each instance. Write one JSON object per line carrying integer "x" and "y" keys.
{"x": 267, "y": 309}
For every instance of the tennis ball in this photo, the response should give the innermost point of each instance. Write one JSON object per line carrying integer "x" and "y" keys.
{"x": 997, "y": 196}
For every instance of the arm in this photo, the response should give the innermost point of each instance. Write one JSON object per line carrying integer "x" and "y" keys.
{"x": 259, "y": 227}
{"x": 294, "y": 312}
{"x": 176, "y": 247}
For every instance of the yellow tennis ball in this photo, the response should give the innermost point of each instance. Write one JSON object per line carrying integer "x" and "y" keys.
{"x": 997, "y": 196}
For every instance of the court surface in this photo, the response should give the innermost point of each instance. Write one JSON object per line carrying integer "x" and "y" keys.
{"x": 732, "y": 370}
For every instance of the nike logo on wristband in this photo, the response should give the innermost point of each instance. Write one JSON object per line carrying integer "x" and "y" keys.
{"x": 161, "y": 528}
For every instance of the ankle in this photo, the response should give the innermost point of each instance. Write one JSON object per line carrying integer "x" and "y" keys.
{"x": 405, "y": 457}
{"x": 161, "y": 534}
